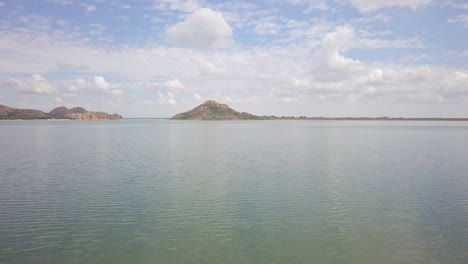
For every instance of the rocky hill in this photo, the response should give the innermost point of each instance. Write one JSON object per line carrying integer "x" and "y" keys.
{"x": 79, "y": 113}
{"x": 212, "y": 110}
{"x": 94, "y": 116}
{"x": 62, "y": 112}
{"x": 14, "y": 113}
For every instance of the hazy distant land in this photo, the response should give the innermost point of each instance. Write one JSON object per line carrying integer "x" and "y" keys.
{"x": 212, "y": 110}
{"x": 62, "y": 112}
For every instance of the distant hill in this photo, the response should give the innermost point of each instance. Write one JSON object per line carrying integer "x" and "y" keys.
{"x": 94, "y": 116}
{"x": 62, "y": 111}
{"x": 212, "y": 110}
{"x": 7, "y": 112}
{"x": 76, "y": 113}
{"x": 79, "y": 113}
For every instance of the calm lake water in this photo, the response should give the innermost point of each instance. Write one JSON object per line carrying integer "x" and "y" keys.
{"x": 161, "y": 191}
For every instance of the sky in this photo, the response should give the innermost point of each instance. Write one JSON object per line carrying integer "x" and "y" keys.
{"x": 156, "y": 58}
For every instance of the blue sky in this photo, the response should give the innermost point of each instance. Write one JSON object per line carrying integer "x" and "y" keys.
{"x": 284, "y": 57}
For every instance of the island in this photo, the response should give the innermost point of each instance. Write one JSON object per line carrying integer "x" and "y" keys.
{"x": 59, "y": 113}
{"x": 212, "y": 110}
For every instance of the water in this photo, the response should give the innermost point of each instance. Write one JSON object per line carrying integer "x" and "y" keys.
{"x": 161, "y": 191}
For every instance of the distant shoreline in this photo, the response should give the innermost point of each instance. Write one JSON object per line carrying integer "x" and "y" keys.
{"x": 276, "y": 119}
{"x": 327, "y": 119}
{"x": 58, "y": 113}
{"x": 2, "y": 120}
{"x": 212, "y": 110}
{"x": 376, "y": 119}
{"x": 53, "y": 119}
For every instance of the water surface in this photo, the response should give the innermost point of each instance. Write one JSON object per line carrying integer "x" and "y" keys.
{"x": 161, "y": 191}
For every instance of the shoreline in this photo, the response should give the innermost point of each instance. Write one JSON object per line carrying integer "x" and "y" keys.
{"x": 335, "y": 119}
{"x": 35, "y": 120}
{"x": 268, "y": 119}
{"x": 16, "y": 120}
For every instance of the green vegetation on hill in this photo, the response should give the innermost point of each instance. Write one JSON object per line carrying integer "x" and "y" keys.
{"x": 212, "y": 110}
{"x": 10, "y": 113}
{"x": 77, "y": 113}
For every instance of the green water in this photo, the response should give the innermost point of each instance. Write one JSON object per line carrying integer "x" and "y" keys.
{"x": 161, "y": 191}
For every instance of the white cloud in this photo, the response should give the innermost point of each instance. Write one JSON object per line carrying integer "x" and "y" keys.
{"x": 61, "y": 2}
{"x": 90, "y": 86}
{"x": 167, "y": 99}
{"x": 60, "y": 22}
{"x": 372, "y": 5}
{"x": 257, "y": 77}
{"x": 90, "y": 8}
{"x": 460, "y": 19}
{"x": 330, "y": 62}
{"x": 204, "y": 28}
{"x": 458, "y": 5}
{"x": 100, "y": 84}
{"x": 313, "y": 4}
{"x": 36, "y": 84}
{"x": 178, "y": 5}
{"x": 36, "y": 22}
{"x": 116, "y": 92}
{"x": 97, "y": 29}
{"x": 210, "y": 69}
{"x": 174, "y": 84}
{"x": 335, "y": 77}
{"x": 198, "y": 97}
{"x": 415, "y": 57}
{"x": 266, "y": 26}
{"x": 376, "y": 43}
{"x": 70, "y": 67}
{"x": 2, "y": 4}
{"x": 126, "y": 6}
{"x": 301, "y": 82}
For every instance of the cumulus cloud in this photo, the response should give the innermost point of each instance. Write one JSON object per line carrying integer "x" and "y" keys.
{"x": 334, "y": 77}
{"x": 372, "y": 5}
{"x": 174, "y": 84}
{"x": 257, "y": 77}
{"x": 198, "y": 97}
{"x": 168, "y": 99}
{"x": 208, "y": 68}
{"x": 103, "y": 86}
{"x": 36, "y": 84}
{"x": 90, "y": 86}
{"x": 203, "y": 29}
{"x": 331, "y": 64}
